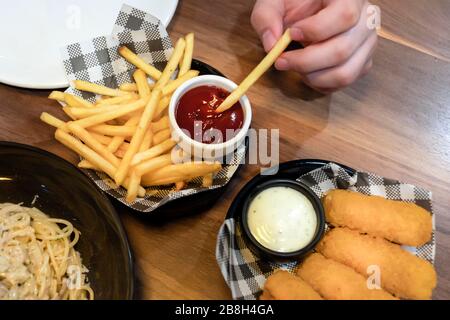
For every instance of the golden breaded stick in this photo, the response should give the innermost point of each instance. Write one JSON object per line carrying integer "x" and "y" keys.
{"x": 185, "y": 64}
{"x": 161, "y": 124}
{"x": 172, "y": 64}
{"x": 136, "y": 140}
{"x": 77, "y": 102}
{"x": 400, "y": 222}
{"x": 89, "y": 154}
{"x": 173, "y": 85}
{"x": 283, "y": 285}
{"x": 95, "y": 145}
{"x": 111, "y": 130}
{"x": 110, "y": 115}
{"x": 53, "y": 121}
{"x": 402, "y": 273}
{"x": 118, "y": 100}
{"x": 141, "y": 82}
{"x": 335, "y": 281}
{"x": 161, "y": 136}
{"x": 98, "y": 89}
{"x": 132, "y": 58}
{"x": 262, "y": 67}
{"x": 57, "y": 95}
{"x": 153, "y": 152}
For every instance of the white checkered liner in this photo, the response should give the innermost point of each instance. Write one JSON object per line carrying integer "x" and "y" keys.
{"x": 98, "y": 61}
{"x": 246, "y": 274}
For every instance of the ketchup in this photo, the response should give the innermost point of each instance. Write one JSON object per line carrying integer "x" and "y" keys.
{"x": 199, "y": 104}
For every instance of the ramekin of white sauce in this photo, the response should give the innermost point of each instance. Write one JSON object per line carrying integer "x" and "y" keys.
{"x": 283, "y": 219}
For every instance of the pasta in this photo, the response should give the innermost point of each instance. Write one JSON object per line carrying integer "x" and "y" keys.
{"x": 37, "y": 257}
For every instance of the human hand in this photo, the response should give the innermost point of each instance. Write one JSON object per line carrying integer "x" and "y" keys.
{"x": 338, "y": 43}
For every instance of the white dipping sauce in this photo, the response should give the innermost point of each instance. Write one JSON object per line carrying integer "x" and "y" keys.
{"x": 282, "y": 219}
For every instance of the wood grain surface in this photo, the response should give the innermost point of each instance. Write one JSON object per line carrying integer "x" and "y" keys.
{"x": 395, "y": 122}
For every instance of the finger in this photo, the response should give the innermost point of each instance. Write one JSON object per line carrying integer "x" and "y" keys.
{"x": 346, "y": 73}
{"x": 299, "y": 10}
{"x": 326, "y": 54}
{"x": 267, "y": 20}
{"x": 367, "y": 67}
{"x": 336, "y": 17}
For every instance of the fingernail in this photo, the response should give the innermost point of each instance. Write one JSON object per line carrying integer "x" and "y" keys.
{"x": 282, "y": 64}
{"x": 268, "y": 40}
{"x": 297, "y": 34}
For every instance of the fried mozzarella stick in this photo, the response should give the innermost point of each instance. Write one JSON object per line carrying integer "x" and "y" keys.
{"x": 402, "y": 273}
{"x": 400, "y": 222}
{"x": 335, "y": 281}
{"x": 283, "y": 285}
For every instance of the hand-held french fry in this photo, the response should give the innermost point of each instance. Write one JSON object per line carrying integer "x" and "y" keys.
{"x": 186, "y": 62}
{"x": 141, "y": 83}
{"x": 132, "y": 58}
{"x": 153, "y": 152}
{"x": 171, "y": 64}
{"x": 97, "y": 88}
{"x": 138, "y": 136}
{"x": 172, "y": 86}
{"x": 262, "y": 67}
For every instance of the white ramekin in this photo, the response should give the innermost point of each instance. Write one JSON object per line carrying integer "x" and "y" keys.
{"x": 202, "y": 150}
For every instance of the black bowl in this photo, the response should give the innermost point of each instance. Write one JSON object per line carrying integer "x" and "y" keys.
{"x": 65, "y": 192}
{"x": 257, "y": 248}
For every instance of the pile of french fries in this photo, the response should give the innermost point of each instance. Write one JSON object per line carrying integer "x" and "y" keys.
{"x": 126, "y": 133}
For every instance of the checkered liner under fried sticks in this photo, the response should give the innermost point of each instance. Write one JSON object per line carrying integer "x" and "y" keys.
{"x": 246, "y": 274}
{"x": 98, "y": 61}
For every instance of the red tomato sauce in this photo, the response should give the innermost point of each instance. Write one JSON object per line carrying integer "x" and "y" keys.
{"x": 199, "y": 104}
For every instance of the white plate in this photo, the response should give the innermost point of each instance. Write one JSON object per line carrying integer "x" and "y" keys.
{"x": 32, "y": 33}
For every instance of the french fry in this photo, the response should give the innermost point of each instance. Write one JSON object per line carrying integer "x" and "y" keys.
{"x": 262, "y": 67}
{"x": 107, "y": 116}
{"x": 188, "y": 169}
{"x": 81, "y": 113}
{"x": 141, "y": 82}
{"x": 132, "y": 58}
{"x": 161, "y": 136}
{"x": 101, "y": 138}
{"x": 162, "y": 106}
{"x": 53, "y": 121}
{"x": 111, "y": 130}
{"x": 98, "y": 89}
{"x": 138, "y": 136}
{"x": 118, "y": 100}
{"x": 76, "y": 102}
{"x": 131, "y": 87}
{"x": 153, "y": 152}
{"x": 95, "y": 145}
{"x": 153, "y": 164}
{"x": 90, "y": 155}
{"x": 116, "y": 142}
{"x": 67, "y": 110}
{"x": 84, "y": 164}
{"x": 185, "y": 64}
{"x": 161, "y": 124}
{"x": 172, "y": 86}
{"x": 207, "y": 180}
{"x": 172, "y": 64}
{"x": 180, "y": 185}
{"x": 57, "y": 95}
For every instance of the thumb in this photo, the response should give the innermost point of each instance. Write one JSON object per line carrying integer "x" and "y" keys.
{"x": 267, "y": 20}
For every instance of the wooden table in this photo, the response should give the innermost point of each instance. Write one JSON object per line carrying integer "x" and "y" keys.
{"x": 395, "y": 122}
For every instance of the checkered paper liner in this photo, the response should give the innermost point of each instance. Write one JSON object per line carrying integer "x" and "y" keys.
{"x": 97, "y": 60}
{"x": 246, "y": 274}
